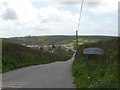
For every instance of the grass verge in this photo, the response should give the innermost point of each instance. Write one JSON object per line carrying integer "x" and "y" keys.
{"x": 100, "y": 72}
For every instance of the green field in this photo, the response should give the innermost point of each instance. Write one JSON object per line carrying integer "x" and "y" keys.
{"x": 100, "y": 72}
{"x": 16, "y": 56}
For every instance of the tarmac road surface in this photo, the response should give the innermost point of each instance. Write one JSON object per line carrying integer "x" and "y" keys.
{"x": 53, "y": 75}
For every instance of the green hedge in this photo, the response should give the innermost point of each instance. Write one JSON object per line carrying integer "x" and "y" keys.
{"x": 16, "y": 56}
{"x": 100, "y": 72}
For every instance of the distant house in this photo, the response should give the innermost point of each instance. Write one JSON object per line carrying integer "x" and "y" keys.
{"x": 24, "y": 44}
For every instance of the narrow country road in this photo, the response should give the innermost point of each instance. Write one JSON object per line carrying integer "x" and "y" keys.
{"x": 53, "y": 75}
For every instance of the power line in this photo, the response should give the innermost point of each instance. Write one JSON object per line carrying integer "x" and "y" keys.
{"x": 80, "y": 15}
{"x": 78, "y": 25}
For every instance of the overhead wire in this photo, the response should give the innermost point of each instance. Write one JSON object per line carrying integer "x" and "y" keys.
{"x": 80, "y": 15}
{"x": 78, "y": 25}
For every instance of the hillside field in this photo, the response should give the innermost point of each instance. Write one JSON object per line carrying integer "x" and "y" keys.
{"x": 58, "y": 39}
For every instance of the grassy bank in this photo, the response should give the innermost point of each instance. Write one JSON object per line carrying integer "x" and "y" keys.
{"x": 101, "y": 72}
{"x": 16, "y": 56}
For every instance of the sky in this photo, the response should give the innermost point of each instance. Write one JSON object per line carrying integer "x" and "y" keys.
{"x": 58, "y": 17}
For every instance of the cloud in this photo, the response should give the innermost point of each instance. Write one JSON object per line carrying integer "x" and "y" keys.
{"x": 20, "y": 18}
{"x": 92, "y": 4}
{"x": 29, "y": 20}
{"x": 119, "y": 18}
{"x": 9, "y": 14}
{"x": 103, "y": 27}
{"x": 100, "y": 7}
{"x": 105, "y": 7}
{"x": 65, "y": 1}
{"x": 119, "y": 8}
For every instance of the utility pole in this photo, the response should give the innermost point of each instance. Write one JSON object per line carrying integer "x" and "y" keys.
{"x": 78, "y": 26}
{"x": 76, "y": 39}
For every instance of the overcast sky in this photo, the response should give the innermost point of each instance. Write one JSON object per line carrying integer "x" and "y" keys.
{"x": 58, "y": 17}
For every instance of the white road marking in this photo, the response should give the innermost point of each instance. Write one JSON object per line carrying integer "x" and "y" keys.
{"x": 13, "y": 84}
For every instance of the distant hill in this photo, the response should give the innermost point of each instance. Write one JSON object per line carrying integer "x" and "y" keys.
{"x": 60, "y": 39}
